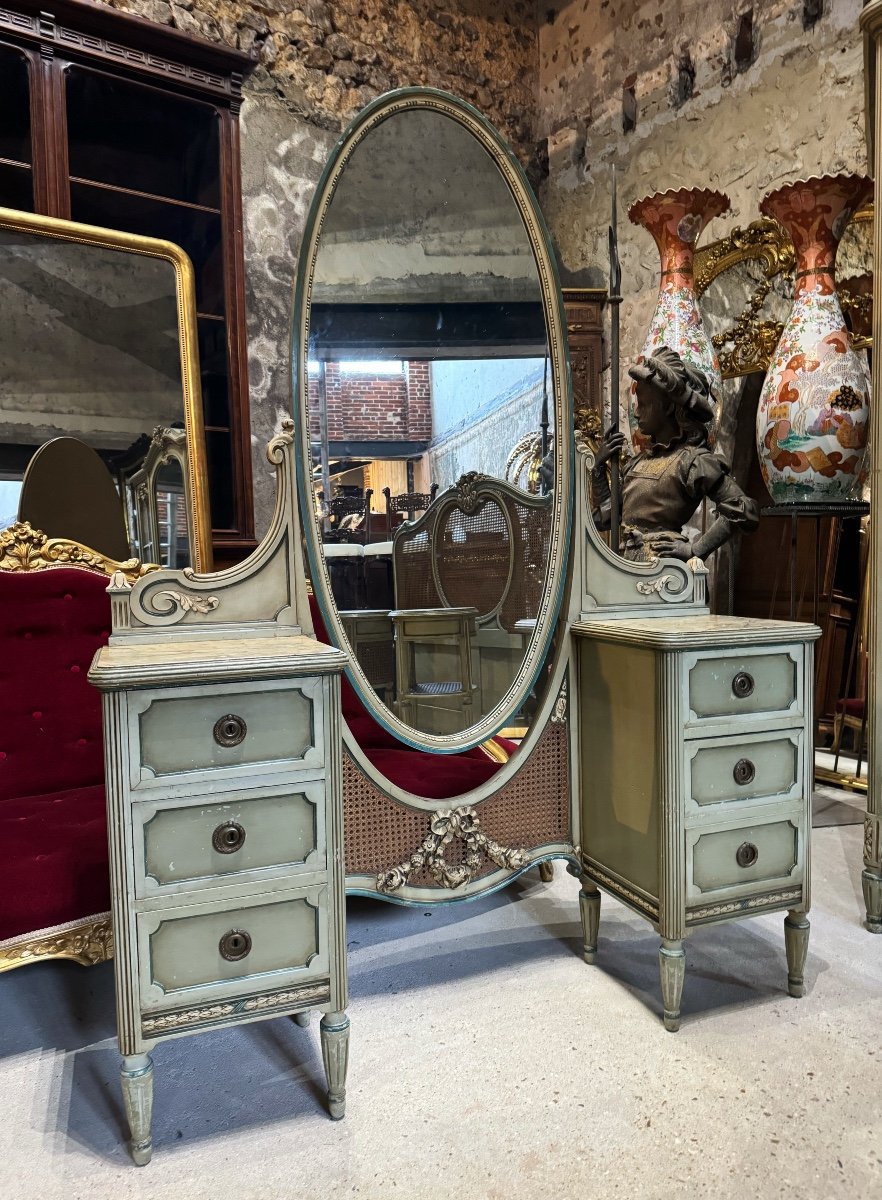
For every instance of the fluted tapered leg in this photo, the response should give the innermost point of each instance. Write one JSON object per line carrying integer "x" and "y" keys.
{"x": 672, "y": 969}
{"x": 335, "y": 1052}
{"x": 137, "y": 1089}
{"x": 872, "y": 883}
{"x": 589, "y": 904}
{"x": 796, "y": 939}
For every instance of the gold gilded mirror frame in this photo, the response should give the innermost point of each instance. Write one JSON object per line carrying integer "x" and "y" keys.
{"x": 748, "y": 345}
{"x": 428, "y": 99}
{"x": 55, "y": 229}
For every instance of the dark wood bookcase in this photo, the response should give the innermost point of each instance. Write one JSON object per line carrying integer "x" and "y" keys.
{"x": 115, "y": 121}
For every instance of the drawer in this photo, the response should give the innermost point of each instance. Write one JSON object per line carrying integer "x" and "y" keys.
{"x": 747, "y": 858}
{"x": 182, "y": 735}
{"x": 235, "y": 948}
{"x": 753, "y": 684}
{"x": 733, "y": 770}
{"x": 185, "y": 845}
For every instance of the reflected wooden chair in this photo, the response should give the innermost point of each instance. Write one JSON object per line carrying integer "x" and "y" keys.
{"x": 369, "y": 633}
{"x": 408, "y": 502}
{"x": 433, "y": 667}
{"x": 483, "y": 544}
{"x": 339, "y": 508}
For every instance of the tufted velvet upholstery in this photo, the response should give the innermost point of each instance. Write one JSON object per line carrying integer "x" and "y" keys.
{"x": 52, "y": 818}
{"x": 433, "y": 776}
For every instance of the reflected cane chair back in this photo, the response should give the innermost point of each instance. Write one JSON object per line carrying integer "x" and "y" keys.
{"x": 483, "y": 543}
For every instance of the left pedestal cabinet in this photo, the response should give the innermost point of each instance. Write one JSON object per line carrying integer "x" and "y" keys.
{"x": 222, "y": 748}
{"x": 225, "y": 827}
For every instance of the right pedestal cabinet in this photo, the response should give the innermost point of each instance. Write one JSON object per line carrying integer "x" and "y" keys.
{"x": 696, "y": 777}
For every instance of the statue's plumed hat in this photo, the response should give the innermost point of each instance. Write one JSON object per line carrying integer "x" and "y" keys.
{"x": 681, "y": 383}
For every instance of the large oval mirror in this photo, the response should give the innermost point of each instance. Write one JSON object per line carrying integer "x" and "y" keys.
{"x": 431, "y": 389}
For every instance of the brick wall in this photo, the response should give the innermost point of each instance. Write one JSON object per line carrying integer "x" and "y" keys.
{"x": 369, "y": 408}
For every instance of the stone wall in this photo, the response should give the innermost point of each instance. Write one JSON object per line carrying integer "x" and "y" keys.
{"x": 720, "y": 93}
{"x": 318, "y": 64}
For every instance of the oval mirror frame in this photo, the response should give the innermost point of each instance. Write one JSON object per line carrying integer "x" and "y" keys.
{"x": 380, "y": 110}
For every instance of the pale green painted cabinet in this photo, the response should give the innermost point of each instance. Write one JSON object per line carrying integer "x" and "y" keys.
{"x": 696, "y": 777}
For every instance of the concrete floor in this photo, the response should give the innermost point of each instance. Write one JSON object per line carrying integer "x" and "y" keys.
{"x": 488, "y": 1062}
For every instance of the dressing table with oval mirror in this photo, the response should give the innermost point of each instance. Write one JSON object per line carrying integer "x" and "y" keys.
{"x": 97, "y": 341}
{"x": 428, "y": 344}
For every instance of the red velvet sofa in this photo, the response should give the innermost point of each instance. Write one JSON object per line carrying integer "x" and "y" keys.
{"x": 54, "y": 887}
{"x": 54, "y": 894}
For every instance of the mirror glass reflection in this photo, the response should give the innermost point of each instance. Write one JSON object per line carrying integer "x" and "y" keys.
{"x": 90, "y": 353}
{"x": 431, "y": 422}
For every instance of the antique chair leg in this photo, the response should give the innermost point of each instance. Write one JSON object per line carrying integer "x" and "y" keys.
{"x": 335, "y": 1052}
{"x": 546, "y": 872}
{"x": 796, "y": 939}
{"x": 302, "y": 1018}
{"x": 137, "y": 1088}
{"x": 672, "y": 969}
{"x": 872, "y": 884}
{"x": 589, "y": 904}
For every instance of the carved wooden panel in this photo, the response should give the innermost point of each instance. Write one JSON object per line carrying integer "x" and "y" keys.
{"x": 584, "y": 313}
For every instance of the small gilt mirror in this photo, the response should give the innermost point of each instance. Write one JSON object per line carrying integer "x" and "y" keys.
{"x": 98, "y": 345}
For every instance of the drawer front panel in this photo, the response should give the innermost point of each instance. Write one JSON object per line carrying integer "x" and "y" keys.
{"x": 729, "y": 770}
{"x": 232, "y": 949}
{"x": 205, "y": 845}
{"x": 751, "y": 854}
{"x": 744, "y": 685}
{"x": 245, "y": 733}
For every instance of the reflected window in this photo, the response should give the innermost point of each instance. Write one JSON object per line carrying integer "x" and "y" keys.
{"x": 10, "y": 491}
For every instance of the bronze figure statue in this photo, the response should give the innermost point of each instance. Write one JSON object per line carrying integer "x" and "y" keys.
{"x": 663, "y": 486}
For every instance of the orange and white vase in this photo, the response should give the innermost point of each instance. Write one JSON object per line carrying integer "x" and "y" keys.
{"x": 813, "y": 414}
{"x": 676, "y": 219}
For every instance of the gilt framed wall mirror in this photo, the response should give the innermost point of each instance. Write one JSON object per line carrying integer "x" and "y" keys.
{"x": 100, "y": 400}
{"x": 434, "y": 422}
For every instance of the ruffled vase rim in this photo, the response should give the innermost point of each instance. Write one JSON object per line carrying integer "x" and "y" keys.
{"x": 712, "y": 202}
{"x": 851, "y": 178}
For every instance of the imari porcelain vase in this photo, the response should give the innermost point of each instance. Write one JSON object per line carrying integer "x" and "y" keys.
{"x": 813, "y": 414}
{"x": 675, "y": 219}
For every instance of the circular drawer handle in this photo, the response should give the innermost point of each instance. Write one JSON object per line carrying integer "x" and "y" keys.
{"x": 742, "y": 685}
{"x": 234, "y": 945}
{"x": 744, "y": 772}
{"x": 746, "y": 854}
{"x": 230, "y": 730}
{"x": 228, "y": 838}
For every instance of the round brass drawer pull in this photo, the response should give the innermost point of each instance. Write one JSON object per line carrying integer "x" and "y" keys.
{"x": 228, "y": 838}
{"x": 234, "y": 945}
{"x": 744, "y": 772}
{"x": 229, "y": 730}
{"x": 743, "y": 685}
{"x": 746, "y": 854}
